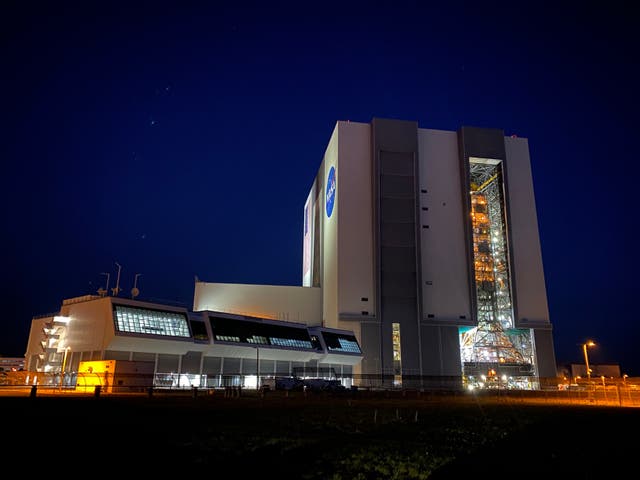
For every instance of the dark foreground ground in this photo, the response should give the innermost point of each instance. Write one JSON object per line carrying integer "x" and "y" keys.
{"x": 316, "y": 437}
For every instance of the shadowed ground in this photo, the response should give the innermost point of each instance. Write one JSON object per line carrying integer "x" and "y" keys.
{"x": 347, "y": 436}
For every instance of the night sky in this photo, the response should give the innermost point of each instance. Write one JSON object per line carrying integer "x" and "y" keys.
{"x": 181, "y": 139}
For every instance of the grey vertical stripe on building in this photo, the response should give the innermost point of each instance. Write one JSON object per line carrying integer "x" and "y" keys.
{"x": 396, "y": 213}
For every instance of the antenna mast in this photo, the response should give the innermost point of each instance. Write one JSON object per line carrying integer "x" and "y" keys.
{"x": 106, "y": 290}
{"x": 134, "y": 291}
{"x": 116, "y": 289}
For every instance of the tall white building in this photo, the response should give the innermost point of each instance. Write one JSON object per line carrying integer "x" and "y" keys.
{"x": 425, "y": 244}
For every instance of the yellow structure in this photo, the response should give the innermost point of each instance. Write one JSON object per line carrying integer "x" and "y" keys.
{"x": 96, "y": 373}
{"x": 114, "y": 376}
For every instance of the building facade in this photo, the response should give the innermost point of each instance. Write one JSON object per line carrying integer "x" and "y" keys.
{"x": 175, "y": 347}
{"x": 421, "y": 268}
{"x": 425, "y": 244}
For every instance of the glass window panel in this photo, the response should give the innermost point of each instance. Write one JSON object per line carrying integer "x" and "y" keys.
{"x": 151, "y": 322}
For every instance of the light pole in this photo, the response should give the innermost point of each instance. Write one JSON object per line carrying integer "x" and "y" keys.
{"x": 116, "y": 289}
{"x": 589, "y": 343}
{"x": 258, "y": 368}
{"x": 108, "y": 276}
{"x": 64, "y": 364}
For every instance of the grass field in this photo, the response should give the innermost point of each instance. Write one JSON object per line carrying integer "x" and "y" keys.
{"x": 349, "y": 436}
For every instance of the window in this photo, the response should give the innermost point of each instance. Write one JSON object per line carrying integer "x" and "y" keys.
{"x": 397, "y": 354}
{"x": 150, "y": 322}
{"x": 199, "y": 330}
{"x": 341, "y": 343}
{"x": 256, "y": 332}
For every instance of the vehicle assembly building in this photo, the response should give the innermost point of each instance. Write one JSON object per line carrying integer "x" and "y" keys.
{"x": 421, "y": 266}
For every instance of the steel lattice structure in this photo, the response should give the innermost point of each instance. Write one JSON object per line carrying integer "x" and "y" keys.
{"x": 495, "y": 342}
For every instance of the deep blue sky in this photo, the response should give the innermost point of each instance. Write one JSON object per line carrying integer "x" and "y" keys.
{"x": 181, "y": 139}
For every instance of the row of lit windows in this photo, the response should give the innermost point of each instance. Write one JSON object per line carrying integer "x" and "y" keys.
{"x": 262, "y": 340}
{"x": 152, "y": 322}
{"x": 227, "y": 338}
{"x": 258, "y": 339}
{"x": 346, "y": 346}
{"x": 290, "y": 342}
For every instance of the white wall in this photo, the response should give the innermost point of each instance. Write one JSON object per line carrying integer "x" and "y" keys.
{"x": 90, "y": 326}
{"x": 294, "y": 304}
{"x": 329, "y": 245}
{"x": 36, "y": 335}
{"x": 308, "y": 222}
{"x": 443, "y": 250}
{"x": 530, "y": 290}
{"x": 355, "y": 222}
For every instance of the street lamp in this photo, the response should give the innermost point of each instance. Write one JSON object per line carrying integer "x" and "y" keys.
{"x": 589, "y": 343}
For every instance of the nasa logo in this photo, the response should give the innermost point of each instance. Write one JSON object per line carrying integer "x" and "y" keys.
{"x": 331, "y": 191}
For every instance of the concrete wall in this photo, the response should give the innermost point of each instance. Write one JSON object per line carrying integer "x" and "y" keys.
{"x": 33, "y": 342}
{"x": 355, "y": 240}
{"x": 545, "y": 353}
{"x": 329, "y": 245}
{"x": 294, "y": 304}
{"x": 307, "y": 239}
{"x": 528, "y": 274}
{"x": 90, "y": 326}
{"x": 441, "y": 351}
{"x": 445, "y": 273}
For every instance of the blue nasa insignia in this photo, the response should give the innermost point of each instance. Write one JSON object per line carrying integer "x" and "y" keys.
{"x": 331, "y": 191}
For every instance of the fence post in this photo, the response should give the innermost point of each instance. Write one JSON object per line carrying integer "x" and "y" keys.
{"x": 619, "y": 396}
